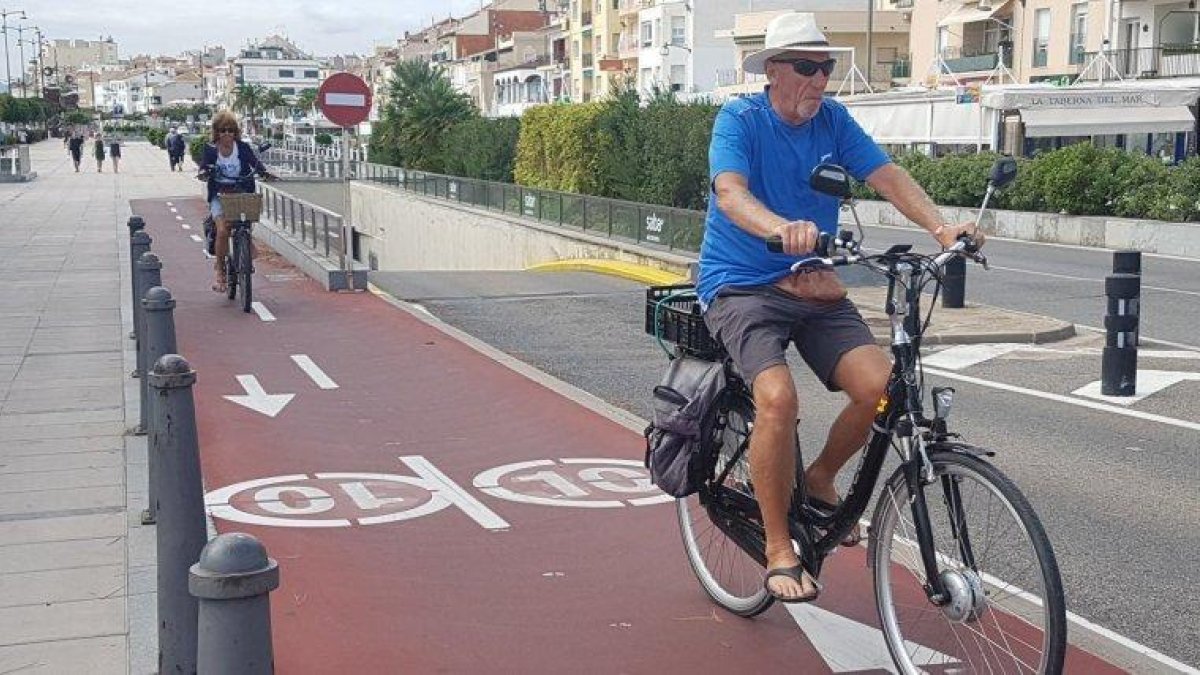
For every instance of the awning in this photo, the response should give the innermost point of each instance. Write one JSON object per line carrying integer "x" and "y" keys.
{"x": 969, "y": 12}
{"x": 1106, "y": 121}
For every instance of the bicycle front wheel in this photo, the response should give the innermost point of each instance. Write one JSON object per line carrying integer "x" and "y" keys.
{"x": 730, "y": 576}
{"x": 1005, "y": 613}
{"x": 246, "y": 271}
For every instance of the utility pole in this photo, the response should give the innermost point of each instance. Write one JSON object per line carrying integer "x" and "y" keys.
{"x": 870, "y": 38}
{"x": 21, "y": 46}
{"x": 4, "y": 14}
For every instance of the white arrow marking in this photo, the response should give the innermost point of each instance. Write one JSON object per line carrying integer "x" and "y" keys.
{"x": 262, "y": 311}
{"x": 1149, "y": 382}
{"x": 170, "y": 203}
{"x": 849, "y": 646}
{"x": 314, "y": 371}
{"x": 257, "y": 399}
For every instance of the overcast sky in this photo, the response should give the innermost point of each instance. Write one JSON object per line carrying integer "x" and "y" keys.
{"x": 321, "y": 27}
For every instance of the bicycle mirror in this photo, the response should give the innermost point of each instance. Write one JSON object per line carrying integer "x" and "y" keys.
{"x": 1004, "y": 171}
{"x": 830, "y": 179}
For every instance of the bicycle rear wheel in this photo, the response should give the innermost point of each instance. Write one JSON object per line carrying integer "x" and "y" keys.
{"x": 730, "y": 576}
{"x": 245, "y": 270}
{"x": 1007, "y": 613}
{"x": 231, "y": 280}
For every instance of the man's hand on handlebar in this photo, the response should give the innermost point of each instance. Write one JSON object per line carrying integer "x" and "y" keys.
{"x": 798, "y": 236}
{"x": 947, "y": 235}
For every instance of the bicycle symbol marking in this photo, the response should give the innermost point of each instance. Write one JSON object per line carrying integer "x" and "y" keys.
{"x": 573, "y": 482}
{"x": 350, "y": 499}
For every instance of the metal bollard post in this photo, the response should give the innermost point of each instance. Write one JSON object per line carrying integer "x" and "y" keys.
{"x": 180, "y": 509}
{"x": 158, "y": 311}
{"x": 232, "y": 581}
{"x": 135, "y": 224}
{"x": 149, "y": 275}
{"x": 139, "y": 243}
{"x": 954, "y": 291}
{"x": 1118, "y": 362}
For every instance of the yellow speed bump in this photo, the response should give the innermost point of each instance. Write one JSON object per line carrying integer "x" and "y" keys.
{"x": 644, "y": 274}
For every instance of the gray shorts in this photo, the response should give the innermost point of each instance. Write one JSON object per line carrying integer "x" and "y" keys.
{"x": 756, "y": 324}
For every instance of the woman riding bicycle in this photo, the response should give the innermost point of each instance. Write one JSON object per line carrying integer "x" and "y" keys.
{"x": 228, "y": 165}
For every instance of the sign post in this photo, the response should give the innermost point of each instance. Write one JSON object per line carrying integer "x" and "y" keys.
{"x": 345, "y": 100}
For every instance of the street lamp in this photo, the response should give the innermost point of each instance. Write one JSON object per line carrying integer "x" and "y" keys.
{"x": 4, "y": 14}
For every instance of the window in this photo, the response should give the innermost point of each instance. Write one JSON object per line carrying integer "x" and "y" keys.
{"x": 1079, "y": 17}
{"x": 287, "y": 73}
{"x": 678, "y": 77}
{"x": 678, "y": 30}
{"x": 616, "y": 43}
{"x": 287, "y": 91}
{"x": 1041, "y": 38}
{"x": 311, "y": 74}
{"x": 647, "y": 34}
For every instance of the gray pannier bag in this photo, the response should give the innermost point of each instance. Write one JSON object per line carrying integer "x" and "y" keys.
{"x": 676, "y": 436}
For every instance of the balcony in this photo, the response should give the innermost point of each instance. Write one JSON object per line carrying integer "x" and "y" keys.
{"x": 587, "y": 61}
{"x": 973, "y": 59}
{"x": 1179, "y": 60}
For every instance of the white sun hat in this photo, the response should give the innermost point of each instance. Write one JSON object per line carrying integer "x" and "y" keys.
{"x": 791, "y": 32}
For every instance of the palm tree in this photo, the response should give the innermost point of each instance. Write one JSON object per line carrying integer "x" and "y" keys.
{"x": 306, "y": 99}
{"x": 421, "y": 106}
{"x": 249, "y": 99}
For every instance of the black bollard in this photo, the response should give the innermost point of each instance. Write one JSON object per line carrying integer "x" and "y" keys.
{"x": 232, "y": 581}
{"x": 139, "y": 243}
{"x": 1118, "y": 365}
{"x": 135, "y": 224}
{"x": 954, "y": 290}
{"x": 1127, "y": 262}
{"x": 149, "y": 275}
{"x": 180, "y": 508}
{"x": 158, "y": 309}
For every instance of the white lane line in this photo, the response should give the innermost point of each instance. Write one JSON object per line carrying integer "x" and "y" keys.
{"x": 1143, "y": 338}
{"x": 1161, "y": 289}
{"x": 178, "y": 217}
{"x": 314, "y": 371}
{"x": 174, "y": 210}
{"x": 186, "y": 226}
{"x": 1093, "y": 405}
{"x": 962, "y": 356}
{"x": 170, "y": 203}
{"x": 197, "y": 238}
{"x": 262, "y": 311}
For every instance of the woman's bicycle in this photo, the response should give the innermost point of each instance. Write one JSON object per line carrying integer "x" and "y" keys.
{"x": 242, "y": 209}
{"x": 964, "y": 575}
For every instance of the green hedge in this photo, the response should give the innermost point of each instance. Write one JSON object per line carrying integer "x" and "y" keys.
{"x": 196, "y": 148}
{"x": 481, "y": 148}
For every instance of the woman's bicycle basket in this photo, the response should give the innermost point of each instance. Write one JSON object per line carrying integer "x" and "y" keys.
{"x": 673, "y": 313}
{"x": 241, "y": 206}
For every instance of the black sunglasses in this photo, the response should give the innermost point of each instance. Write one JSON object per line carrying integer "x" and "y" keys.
{"x": 808, "y": 68}
{"x": 227, "y": 130}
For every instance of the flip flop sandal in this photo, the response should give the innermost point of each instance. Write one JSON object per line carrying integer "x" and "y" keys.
{"x": 797, "y": 574}
{"x": 854, "y": 537}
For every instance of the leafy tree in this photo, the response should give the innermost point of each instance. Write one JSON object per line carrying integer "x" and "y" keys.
{"x": 249, "y": 98}
{"x": 306, "y": 99}
{"x": 481, "y": 148}
{"x": 421, "y": 107}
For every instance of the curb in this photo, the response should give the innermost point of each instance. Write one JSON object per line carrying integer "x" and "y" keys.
{"x": 618, "y": 268}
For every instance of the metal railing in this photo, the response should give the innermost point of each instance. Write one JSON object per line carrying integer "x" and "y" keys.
{"x": 662, "y": 227}
{"x": 302, "y": 163}
{"x": 1149, "y": 62}
{"x": 317, "y": 227}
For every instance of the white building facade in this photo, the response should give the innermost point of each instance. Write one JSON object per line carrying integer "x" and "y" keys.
{"x": 276, "y": 64}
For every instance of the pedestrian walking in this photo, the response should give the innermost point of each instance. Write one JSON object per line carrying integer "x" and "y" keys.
{"x": 176, "y": 147}
{"x": 75, "y": 146}
{"x": 114, "y": 149}
{"x": 98, "y": 151}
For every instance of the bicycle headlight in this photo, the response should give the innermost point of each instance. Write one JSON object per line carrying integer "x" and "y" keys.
{"x": 943, "y": 400}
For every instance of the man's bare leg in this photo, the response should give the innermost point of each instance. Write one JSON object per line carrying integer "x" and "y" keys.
{"x": 773, "y": 470}
{"x": 862, "y": 373}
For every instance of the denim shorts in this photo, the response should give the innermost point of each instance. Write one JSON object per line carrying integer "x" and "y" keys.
{"x": 756, "y": 324}
{"x": 214, "y": 208}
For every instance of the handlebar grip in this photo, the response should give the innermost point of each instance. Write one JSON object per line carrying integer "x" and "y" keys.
{"x": 823, "y": 248}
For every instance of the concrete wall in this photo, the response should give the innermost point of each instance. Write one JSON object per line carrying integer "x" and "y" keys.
{"x": 407, "y": 232}
{"x": 1149, "y": 236}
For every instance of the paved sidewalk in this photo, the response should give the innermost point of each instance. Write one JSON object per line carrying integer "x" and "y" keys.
{"x": 76, "y": 568}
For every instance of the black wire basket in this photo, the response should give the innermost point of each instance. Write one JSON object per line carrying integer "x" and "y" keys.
{"x": 673, "y": 313}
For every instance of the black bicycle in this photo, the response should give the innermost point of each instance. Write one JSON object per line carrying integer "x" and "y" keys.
{"x": 965, "y": 577}
{"x": 242, "y": 209}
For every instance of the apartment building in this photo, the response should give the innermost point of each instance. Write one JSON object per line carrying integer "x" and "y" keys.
{"x": 536, "y": 72}
{"x": 276, "y": 63}
{"x": 71, "y": 56}
{"x": 1133, "y": 69}
{"x": 594, "y": 48}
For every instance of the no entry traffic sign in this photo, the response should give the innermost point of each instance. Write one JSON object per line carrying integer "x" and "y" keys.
{"x": 344, "y": 99}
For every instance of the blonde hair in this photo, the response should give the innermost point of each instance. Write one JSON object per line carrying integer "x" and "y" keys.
{"x": 225, "y": 119}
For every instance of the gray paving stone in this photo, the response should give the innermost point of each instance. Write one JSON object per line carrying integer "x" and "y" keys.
{"x": 62, "y": 462}
{"x": 58, "y": 446}
{"x": 62, "y": 621}
{"x": 65, "y": 500}
{"x": 42, "y": 530}
{"x": 95, "y": 656}
{"x": 50, "y": 586}
{"x": 53, "y": 399}
{"x": 63, "y": 479}
{"x": 59, "y": 555}
{"x": 47, "y": 432}
{"x": 40, "y": 419}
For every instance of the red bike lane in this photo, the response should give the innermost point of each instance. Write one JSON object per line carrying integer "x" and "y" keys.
{"x": 434, "y": 511}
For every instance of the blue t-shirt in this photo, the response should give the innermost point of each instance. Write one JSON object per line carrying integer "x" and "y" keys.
{"x": 776, "y": 158}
